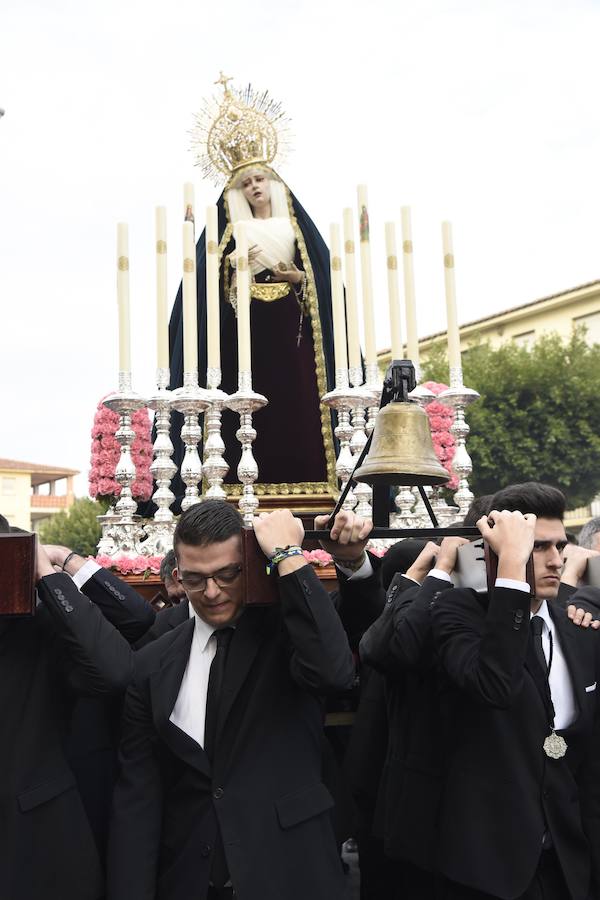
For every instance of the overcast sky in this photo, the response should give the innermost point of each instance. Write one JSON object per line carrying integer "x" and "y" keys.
{"x": 484, "y": 112}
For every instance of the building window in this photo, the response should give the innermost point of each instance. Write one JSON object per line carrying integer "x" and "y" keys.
{"x": 9, "y": 487}
{"x": 591, "y": 323}
{"x": 525, "y": 339}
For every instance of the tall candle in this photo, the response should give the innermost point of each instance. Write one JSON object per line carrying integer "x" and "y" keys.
{"x": 412, "y": 340}
{"x": 188, "y": 202}
{"x": 337, "y": 302}
{"x": 243, "y": 298}
{"x": 162, "y": 320}
{"x": 393, "y": 292}
{"x": 123, "y": 297}
{"x": 190, "y": 302}
{"x": 351, "y": 303}
{"x": 212, "y": 289}
{"x": 453, "y": 332}
{"x": 366, "y": 277}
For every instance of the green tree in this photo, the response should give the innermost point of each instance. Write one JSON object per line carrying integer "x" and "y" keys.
{"x": 538, "y": 417}
{"x": 77, "y": 528}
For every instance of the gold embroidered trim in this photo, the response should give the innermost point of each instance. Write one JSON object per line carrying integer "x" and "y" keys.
{"x": 269, "y": 292}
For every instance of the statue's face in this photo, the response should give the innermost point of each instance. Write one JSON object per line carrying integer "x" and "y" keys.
{"x": 257, "y": 190}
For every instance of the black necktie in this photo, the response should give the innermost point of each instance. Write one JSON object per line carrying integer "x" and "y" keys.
{"x": 219, "y": 872}
{"x": 537, "y": 626}
{"x": 215, "y": 684}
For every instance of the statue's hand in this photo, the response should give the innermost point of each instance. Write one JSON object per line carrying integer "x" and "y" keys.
{"x": 287, "y": 272}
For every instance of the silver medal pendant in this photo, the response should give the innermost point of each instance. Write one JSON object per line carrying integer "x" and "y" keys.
{"x": 555, "y": 746}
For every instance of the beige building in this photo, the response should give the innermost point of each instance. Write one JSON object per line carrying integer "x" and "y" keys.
{"x": 558, "y": 313}
{"x": 30, "y": 494}
{"x": 524, "y": 324}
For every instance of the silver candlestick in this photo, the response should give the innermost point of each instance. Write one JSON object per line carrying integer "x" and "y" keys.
{"x": 190, "y": 400}
{"x": 342, "y": 399}
{"x": 246, "y": 401}
{"x": 215, "y": 467}
{"x": 458, "y": 397}
{"x": 407, "y": 515}
{"x": 160, "y": 529}
{"x": 362, "y": 398}
{"x": 108, "y": 543}
{"x": 125, "y": 402}
{"x": 374, "y": 384}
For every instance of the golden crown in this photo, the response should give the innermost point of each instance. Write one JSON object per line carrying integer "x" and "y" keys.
{"x": 236, "y": 130}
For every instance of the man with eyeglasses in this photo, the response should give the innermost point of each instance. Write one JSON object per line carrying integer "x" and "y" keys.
{"x": 220, "y": 788}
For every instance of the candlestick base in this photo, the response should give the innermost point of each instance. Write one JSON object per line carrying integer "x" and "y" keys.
{"x": 125, "y": 402}
{"x": 190, "y": 400}
{"x": 245, "y": 402}
{"x": 214, "y": 465}
{"x": 343, "y": 399}
{"x": 459, "y": 397}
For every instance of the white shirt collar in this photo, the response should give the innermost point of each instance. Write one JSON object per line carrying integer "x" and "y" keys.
{"x": 203, "y": 631}
{"x": 544, "y": 614}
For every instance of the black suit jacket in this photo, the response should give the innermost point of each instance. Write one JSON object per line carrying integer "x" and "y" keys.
{"x": 93, "y": 737}
{"x": 263, "y": 789}
{"x": 400, "y": 646}
{"x": 67, "y": 649}
{"x": 501, "y": 790}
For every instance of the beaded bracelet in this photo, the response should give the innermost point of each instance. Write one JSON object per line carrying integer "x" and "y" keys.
{"x": 280, "y": 554}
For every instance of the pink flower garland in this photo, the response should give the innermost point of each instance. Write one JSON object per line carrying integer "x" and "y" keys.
{"x": 106, "y": 451}
{"x": 136, "y": 565}
{"x": 440, "y": 420}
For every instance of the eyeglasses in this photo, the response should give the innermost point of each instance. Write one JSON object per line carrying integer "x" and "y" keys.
{"x": 223, "y": 579}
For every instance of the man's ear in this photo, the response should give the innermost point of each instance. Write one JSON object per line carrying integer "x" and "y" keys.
{"x": 175, "y": 574}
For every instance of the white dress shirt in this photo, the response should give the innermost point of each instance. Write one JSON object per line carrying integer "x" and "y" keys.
{"x": 189, "y": 712}
{"x": 561, "y": 685}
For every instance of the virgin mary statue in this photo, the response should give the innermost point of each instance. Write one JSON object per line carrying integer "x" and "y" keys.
{"x": 290, "y": 309}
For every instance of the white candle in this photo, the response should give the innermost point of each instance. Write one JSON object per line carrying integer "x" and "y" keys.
{"x": 243, "y": 298}
{"x": 453, "y": 332}
{"x": 393, "y": 292}
{"x": 366, "y": 278}
{"x": 337, "y": 302}
{"x": 213, "y": 340}
{"x": 123, "y": 297}
{"x": 162, "y": 318}
{"x": 188, "y": 202}
{"x": 412, "y": 340}
{"x": 190, "y": 302}
{"x": 351, "y": 304}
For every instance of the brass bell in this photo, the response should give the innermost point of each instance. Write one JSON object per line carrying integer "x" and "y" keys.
{"x": 402, "y": 451}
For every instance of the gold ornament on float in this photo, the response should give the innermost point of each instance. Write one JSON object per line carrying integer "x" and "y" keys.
{"x": 240, "y": 129}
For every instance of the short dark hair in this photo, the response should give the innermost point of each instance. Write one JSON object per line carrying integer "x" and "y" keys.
{"x": 480, "y": 506}
{"x": 543, "y": 500}
{"x": 167, "y": 565}
{"x": 208, "y": 522}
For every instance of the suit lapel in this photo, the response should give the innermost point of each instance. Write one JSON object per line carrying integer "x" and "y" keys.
{"x": 164, "y": 688}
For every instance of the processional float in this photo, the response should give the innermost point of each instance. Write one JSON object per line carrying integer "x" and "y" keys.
{"x": 382, "y": 429}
